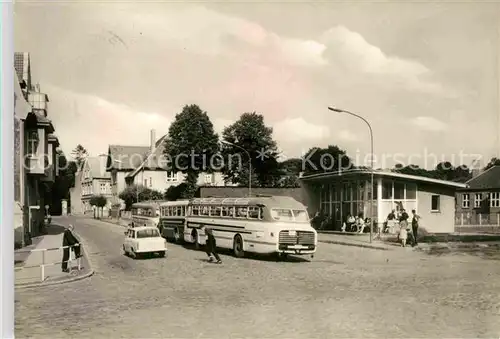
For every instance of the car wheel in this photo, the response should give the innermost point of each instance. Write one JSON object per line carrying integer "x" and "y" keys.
{"x": 238, "y": 246}
{"x": 133, "y": 254}
{"x": 161, "y": 254}
{"x": 125, "y": 251}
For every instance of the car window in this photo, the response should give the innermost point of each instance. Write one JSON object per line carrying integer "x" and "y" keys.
{"x": 148, "y": 233}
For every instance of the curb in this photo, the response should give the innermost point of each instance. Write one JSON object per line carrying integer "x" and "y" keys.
{"x": 64, "y": 281}
{"x": 457, "y": 247}
{"x": 110, "y": 222}
{"x": 355, "y": 245}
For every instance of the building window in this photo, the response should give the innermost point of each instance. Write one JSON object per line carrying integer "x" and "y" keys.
{"x": 495, "y": 199}
{"x": 209, "y": 178}
{"x": 171, "y": 176}
{"x": 387, "y": 190}
{"x": 411, "y": 191}
{"x": 103, "y": 189}
{"x": 435, "y": 203}
{"x": 465, "y": 200}
{"x": 145, "y": 182}
{"x": 150, "y": 182}
{"x": 478, "y": 198}
{"x": 399, "y": 191}
{"x": 33, "y": 141}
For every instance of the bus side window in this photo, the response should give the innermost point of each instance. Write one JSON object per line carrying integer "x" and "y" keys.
{"x": 204, "y": 211}
{"x": 253, "y": 212}
{"x": 179, "y": 211}
{"x": 216, "y": 211}
{"x": 241, "y": 212}
{"x": 195, "y": 210}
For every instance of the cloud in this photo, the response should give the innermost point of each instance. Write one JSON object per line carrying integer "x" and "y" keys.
{"x": 95, "y": 122}
{"x": 299, "y": 130}
{"x": 429, "y": 124}
{"x": 346, "y": 135}
{"x": 351, "y": 50}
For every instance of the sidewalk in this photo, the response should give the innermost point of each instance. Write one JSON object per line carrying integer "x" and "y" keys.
{"x": 357, "y": 240}
{"x": 28, "y": 273}
{"x": 120, "y": 222}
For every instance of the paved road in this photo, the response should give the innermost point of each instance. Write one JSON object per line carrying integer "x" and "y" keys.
{"x": 343, "y": 292}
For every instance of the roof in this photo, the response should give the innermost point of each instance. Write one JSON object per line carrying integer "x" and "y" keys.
{"x": 40, "y": 120}
{"x": 269, "y": 201}
{"x": 142, "y": 228}
{"x": 125, "y": 157}
{"x": 97, "y": 167}
{"x": 145, "y": 204}
{"x": 383, "y": 173}
{"x": 152, "y": 160}
{"x": 489, "y": 179}
{"x": 52, "y": 138}
{"x": 175, "y": 203}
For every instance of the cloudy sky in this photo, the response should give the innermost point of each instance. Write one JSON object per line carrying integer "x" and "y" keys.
{"x": 424, "y": 74}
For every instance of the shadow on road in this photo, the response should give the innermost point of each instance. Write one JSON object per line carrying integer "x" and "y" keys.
{"x": 54, "y": 229}
{"x": 250, "y": 256}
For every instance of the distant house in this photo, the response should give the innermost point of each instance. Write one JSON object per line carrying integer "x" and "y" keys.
{"x": 90, "y": 179}
{"x": 481, "y": 197}
{"x": 146, "y": 166}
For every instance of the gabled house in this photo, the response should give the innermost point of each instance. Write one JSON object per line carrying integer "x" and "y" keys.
{"x": 35, "y": 145}
{"x": 481, "y": 197}
{"x": 146, "y": 166}
{"x": 90, "y": 179}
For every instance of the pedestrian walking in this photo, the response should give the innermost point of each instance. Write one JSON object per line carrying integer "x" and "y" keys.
{"x": 414, "y": 226}
{"x": 211, "y": 246}
{"x": 69, "y": 239}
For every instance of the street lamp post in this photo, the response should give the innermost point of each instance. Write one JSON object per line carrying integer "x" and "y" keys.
{"x": 371, "y": 161}
{"x": 249, "y": 165}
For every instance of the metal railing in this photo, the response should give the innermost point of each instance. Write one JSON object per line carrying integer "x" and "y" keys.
{"x": 44, "y": 264}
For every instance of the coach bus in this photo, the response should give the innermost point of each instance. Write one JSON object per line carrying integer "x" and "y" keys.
{"x": 271, "y": 224}
{"x": 172, "y": 219}
{"x": 145, "y": 213}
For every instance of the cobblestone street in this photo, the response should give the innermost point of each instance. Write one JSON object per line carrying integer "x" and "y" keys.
{"x": 343, "y": 292}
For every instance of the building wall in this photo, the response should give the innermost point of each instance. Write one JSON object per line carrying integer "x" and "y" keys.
{"x": 436, "y": 222}
{"x": 157, "y": 180}
{"x": 484, "y": 206}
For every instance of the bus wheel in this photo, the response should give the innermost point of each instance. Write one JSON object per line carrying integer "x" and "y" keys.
{"x": 194, "y": 236}
{"x": 238, "y": 246}
{"x": 176, "y": 235}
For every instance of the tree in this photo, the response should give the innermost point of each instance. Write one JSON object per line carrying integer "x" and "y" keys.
{"x": 175, "y": 192}
{"x": 65, "y": 179}
{"x": 192, "y": 145}
{"x": 493, "y": 162}
{"x": 331, "y": 158}
{"x": 133, "y": 192}
{"x": 446, "y": 171}
{"x": 98, "y": 201}
{"x": 79, "y": 154}
{"x": 291, "y": 169}
{"x": 251, "y": 134}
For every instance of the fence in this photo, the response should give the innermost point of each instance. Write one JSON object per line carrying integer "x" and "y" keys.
{"x": 44, "y": 264}
{"x": 477, "y": 222}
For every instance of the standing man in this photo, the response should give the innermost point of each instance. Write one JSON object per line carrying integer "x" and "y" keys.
{"x": 414, "y": 226}
{"x": 211, "y": 246}
{"x": 69, "y": 239}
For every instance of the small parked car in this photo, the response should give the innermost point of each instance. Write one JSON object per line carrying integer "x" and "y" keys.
{"x": 144, "y": 240}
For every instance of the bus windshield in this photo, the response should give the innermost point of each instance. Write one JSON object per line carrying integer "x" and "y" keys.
{"x": 285, "y": 214}
{"x": 148, "y": 233}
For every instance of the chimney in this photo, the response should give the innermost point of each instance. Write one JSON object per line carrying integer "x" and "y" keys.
{"x": 153, "y": 141}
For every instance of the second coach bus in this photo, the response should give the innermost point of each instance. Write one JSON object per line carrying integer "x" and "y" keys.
{"x": 271, "y": 224}
{"x": 145, "y": 213}
{"x": 172, "y": 219}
